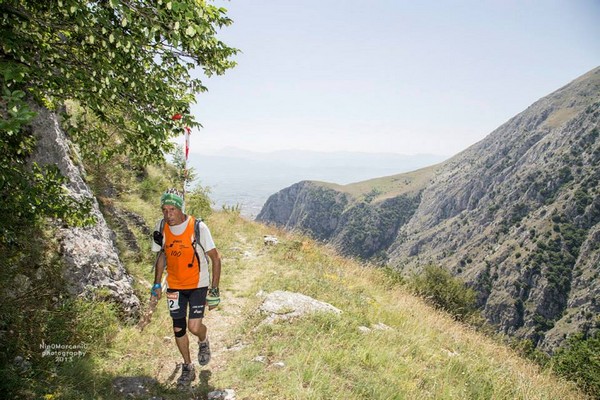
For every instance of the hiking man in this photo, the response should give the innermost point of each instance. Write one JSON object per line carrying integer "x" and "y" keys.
{"x": 184, "y": 246}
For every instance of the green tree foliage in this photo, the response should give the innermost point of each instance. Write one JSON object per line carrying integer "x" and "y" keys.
{"x": 184, "y": 174}
{"x": 197, "y": 202}
{"x": 579, "y": 361}
{"x": 127, "y": 63}
{"x": 445, "y": 291}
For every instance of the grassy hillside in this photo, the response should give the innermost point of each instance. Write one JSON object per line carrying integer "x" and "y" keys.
{"x": 386, "y": 187}
{"x": 424, "y": 355}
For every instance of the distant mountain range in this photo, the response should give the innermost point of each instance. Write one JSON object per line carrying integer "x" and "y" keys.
{"x": 248, "y": 178}
{"x": 516, "y": 216}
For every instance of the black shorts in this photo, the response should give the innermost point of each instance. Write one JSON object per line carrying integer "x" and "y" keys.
{"x": 179, "y": 300}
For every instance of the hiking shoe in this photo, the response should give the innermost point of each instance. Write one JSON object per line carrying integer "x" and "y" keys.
{"x": 188, "y": 374}
{"x": 203, "y": 352}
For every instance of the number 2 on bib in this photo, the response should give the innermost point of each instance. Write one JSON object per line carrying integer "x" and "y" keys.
{"x": 173, "y": 300}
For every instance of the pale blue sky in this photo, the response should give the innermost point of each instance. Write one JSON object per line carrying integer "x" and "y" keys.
{"x": 389, "y": 76}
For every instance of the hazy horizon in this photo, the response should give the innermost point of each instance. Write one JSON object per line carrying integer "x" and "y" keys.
{"x": 248, "y": 181}
{"x": 298, "y": 149}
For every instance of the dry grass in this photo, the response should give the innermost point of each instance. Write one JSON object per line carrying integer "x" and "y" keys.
{"x": 424, "y": 354}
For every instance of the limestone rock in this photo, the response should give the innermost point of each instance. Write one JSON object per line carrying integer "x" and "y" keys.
{"x": 134, "y": 387}
{"x": 227, "y": 394}
{"x": 93, "y": 267}
{"x": 282, "y": 305}
{"x": 270, "y": 240}
{"x": 358, "y": 229}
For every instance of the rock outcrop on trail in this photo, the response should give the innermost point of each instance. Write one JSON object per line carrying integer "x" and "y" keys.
{"x": 281, "y": 306}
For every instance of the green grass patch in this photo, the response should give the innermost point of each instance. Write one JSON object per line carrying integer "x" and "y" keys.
{"x": 424, "y": 353}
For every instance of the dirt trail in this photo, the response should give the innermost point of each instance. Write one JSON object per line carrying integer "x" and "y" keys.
{"x": 228, "y": 314}
{"x": 219, "y": 321}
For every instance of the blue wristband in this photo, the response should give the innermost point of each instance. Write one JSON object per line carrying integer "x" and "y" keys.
{"x": 156, "y": 286}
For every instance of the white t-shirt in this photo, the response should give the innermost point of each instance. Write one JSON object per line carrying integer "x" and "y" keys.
{"x": 206, "y": 242}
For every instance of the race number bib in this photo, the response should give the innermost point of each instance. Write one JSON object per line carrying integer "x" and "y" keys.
{"x": 173, "y": 300}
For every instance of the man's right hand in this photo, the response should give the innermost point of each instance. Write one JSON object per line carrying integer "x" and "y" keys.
{"x": 156, "y": 291}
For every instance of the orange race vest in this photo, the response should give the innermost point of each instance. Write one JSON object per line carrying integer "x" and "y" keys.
{"x": 183, "y": 271}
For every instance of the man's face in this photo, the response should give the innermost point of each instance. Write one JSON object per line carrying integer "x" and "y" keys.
{"x": 172, "y": 214}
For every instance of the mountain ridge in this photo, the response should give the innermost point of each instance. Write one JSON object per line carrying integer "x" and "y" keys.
{"x": 515, "y": 215}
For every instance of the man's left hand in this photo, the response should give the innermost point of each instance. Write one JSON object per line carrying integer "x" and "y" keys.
{"x": 213, "y": 298}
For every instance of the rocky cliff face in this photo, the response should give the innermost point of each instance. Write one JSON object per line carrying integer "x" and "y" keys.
{"x": 306, "y": 206}
{"x": 358, "y": 224}
{"x": 517, "y": 216}
{"x": 92, "y": 265}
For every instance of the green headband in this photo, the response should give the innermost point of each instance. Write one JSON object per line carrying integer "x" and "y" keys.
{"x": 171, "y": 199}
